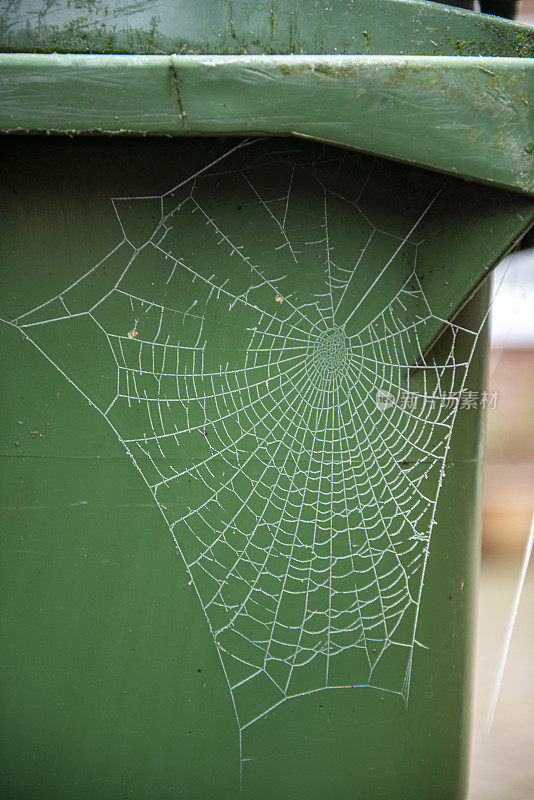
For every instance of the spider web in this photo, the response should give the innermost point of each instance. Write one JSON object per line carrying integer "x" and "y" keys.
{"x": 276, "y": 399}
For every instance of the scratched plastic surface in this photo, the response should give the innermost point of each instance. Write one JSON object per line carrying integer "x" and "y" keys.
{"x": 239, "y": 534}
{"x": 242, "y": 26}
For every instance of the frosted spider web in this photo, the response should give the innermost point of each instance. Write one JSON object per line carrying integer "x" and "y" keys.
{"x": 248, "y": 395}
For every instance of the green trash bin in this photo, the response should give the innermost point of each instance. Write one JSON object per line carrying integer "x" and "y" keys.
{"x": 244, "y": 314}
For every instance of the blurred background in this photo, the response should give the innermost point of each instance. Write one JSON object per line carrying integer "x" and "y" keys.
{"x": 502, "y": 760}
{"x": 526, "y": 12}
{"x": 502, "y": 766}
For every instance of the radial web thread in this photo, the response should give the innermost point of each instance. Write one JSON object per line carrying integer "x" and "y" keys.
{"x": 248, "y": 398}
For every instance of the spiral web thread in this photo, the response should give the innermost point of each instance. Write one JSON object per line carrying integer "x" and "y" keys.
{"x": 302, "y": 507}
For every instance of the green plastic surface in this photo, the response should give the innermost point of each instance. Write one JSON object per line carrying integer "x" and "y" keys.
{"x": 223, "y": 27}
{"x": 112, "y": 682}
{"x": 464, "y": 116}
{"x": 238, "y": 563}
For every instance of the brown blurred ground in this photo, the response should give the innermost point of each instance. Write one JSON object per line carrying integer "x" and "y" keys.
{"x": 502, "y": 766}
{"x": 509, "y": 472}
{"x": 526, "y": 12}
